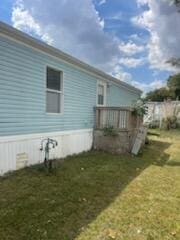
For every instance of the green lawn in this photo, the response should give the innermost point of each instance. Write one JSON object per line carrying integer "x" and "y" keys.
{"x": 97, "y": 196}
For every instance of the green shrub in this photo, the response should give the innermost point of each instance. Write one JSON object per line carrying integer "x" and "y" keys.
{"x": 110, "y": 131}
{"x": 139, "y": 108}
{"x": 154, "y": 124}
{"x": 169, "y": 123}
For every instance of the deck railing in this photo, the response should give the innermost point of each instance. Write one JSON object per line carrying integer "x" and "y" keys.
{"x": 116, "y": 117}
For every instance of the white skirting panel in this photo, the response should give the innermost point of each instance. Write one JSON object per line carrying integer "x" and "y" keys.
{"x": 24, "y": 150}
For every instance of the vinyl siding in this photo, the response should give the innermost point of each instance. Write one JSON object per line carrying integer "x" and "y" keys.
{"x": 23, "y": 93}
{"x": 117, "y": 96}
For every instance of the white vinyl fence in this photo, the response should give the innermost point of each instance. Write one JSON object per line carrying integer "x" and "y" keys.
{"x": 156, "y": 111}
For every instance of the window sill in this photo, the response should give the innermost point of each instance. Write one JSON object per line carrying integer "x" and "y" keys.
{"x": 54, "y": 114}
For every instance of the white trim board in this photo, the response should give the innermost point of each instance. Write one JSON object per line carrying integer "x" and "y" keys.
{"x": 41, "y": 135}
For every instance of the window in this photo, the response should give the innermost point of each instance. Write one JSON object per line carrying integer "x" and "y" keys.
{"x": 53, "y": 91}
{"x": 101, "y": 91}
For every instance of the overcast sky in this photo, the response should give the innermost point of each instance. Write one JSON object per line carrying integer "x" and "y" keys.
{"x": 130, "y": 39}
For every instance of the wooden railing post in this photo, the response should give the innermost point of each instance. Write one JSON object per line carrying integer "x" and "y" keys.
{"x": 97, "y": 117}
{"x": 118, "y": 118}
{"x": 128, "y": 119}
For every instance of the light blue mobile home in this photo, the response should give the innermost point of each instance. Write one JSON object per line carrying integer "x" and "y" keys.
{"x": 46, "y": 93}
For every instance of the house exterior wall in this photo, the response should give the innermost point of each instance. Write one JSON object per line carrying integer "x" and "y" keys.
{"x": 23, "y": 105}
{"x": 23, "y": 93}
{"x": 117, "y": 96}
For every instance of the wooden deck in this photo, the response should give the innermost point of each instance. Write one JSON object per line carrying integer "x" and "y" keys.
{"x": 121, "y": 118}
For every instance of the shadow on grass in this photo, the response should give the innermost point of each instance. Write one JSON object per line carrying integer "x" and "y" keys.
{"x": 161, "y": 158}
{"x": 173, "y": 164}
{"x": 153, "y": 133}
{"x": 35, "y": 205}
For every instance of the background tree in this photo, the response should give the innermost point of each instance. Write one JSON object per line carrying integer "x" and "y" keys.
{"x": 177, "y": 2}
{"x": 172, "y": 90}
{"x": 175, "y": 61}
{"x": 173, "y": 83}
{"x": 159, "y": 95}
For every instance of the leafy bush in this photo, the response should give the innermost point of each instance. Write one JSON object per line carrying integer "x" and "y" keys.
{"x": 139, "y": 108}
{"x": 154, "y": 124}
{"x": 110, "y": 131}
{"x": 170, "y": 123}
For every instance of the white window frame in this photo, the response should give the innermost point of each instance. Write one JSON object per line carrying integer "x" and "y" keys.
{"x": 61, "y": 92}
{"x": 102, "y": 83}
